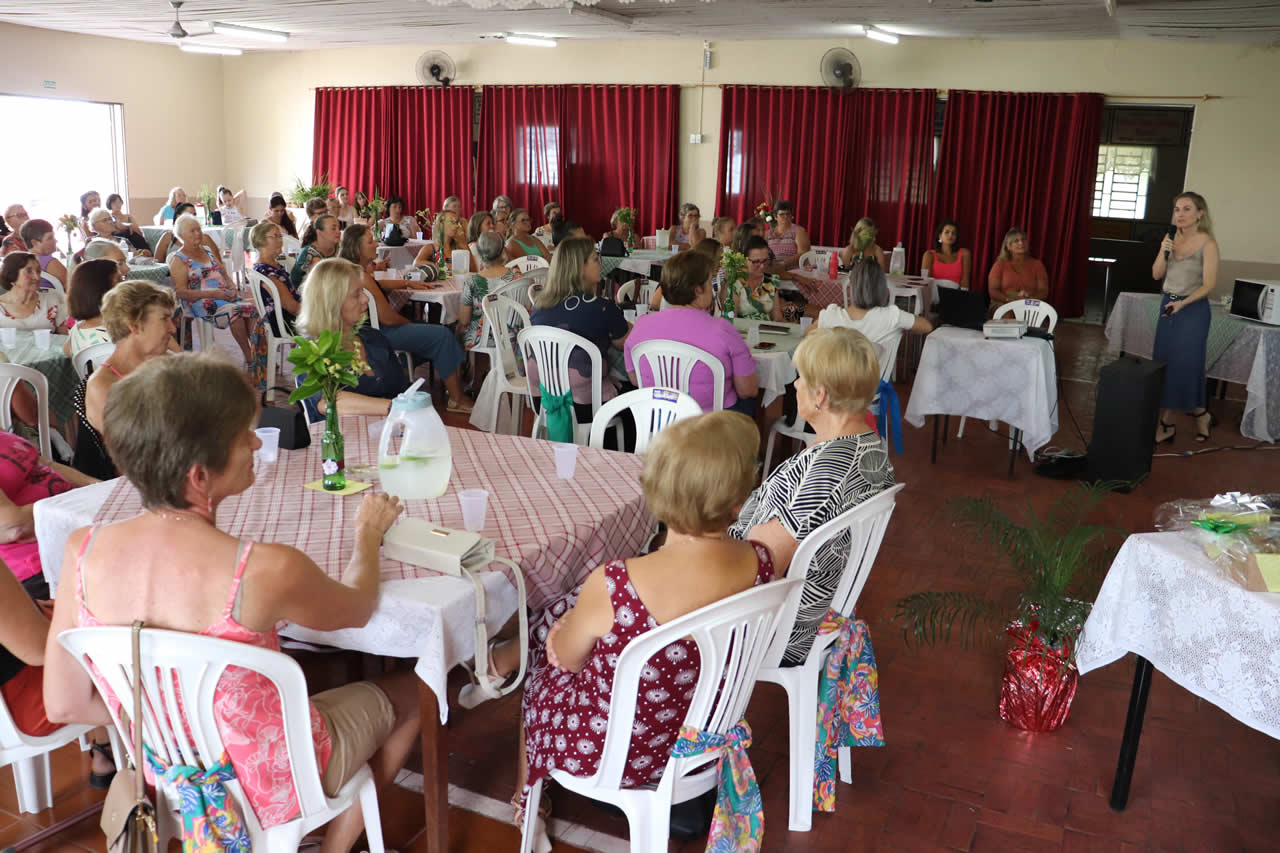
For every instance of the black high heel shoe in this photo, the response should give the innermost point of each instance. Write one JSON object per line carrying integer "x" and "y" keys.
{"x": 1173, "y": 430}
{"x": 101, "y": 781}
{"x": 1202, "y": 431}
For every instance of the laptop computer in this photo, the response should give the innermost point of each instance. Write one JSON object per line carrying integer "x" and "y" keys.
{"x": 964, "y": 308}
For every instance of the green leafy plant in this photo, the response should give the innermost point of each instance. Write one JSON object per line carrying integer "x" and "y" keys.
{"x": 627, "y": 216}
{"x": 208, "y": 198}
{"x": 69, "y": 222}
{"x": 328, "y": 365}
{"x": 373, "y": 210}
{"x": 302, "y": 193}
{"x": 1059, "y": 559}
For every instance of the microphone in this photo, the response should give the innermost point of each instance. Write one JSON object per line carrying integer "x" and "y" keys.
{"x": 1173, "y": 232}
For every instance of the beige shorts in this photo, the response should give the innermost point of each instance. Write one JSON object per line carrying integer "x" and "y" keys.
{"x": 359, "y": 718}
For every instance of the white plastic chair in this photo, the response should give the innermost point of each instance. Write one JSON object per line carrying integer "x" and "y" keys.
{"x": 372, "y": 314}
{"x": 912, "y": 294}
{"x": 29, "y": 756}
{"x": 235, "y": 249}
{"x": 499, "y": 311}
{"x": 10, "y": 375}
{"x": 628, "y": 291}
{"x": 671, "y": 364}
{"x": 1034, "y": 312}
{"x": 91, "y": 357}
{"x": 278, "y": 346}
{"x": 732, "y": 636}
{"x": 53, "y": 284}
{"x": 527, "y": 263}
{"x": 947, "y": 284}
{"x": 818, "y": 260}
{"x": 534, "y": 290}
{"x": 549, "y": 348}
{"x": 181, "y": 671}
{"x": 866, "y": 524}
{"x": 653, "y": 409}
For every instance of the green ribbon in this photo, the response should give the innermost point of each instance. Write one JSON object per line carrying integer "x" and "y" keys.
{"x": 1220, "y": 526}
{"x": 557, "y": 411}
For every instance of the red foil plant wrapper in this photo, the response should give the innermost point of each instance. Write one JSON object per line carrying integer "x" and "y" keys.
{"x": 1039, "y": 682}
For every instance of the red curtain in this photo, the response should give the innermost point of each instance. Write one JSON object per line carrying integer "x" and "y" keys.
{"x": 788, "y": 143}
{"x": 1025, "y": 160}
{"x": 430, "y": 136}
{"x": 521, "y": 146}
{"x": 892, "y": 167}
{"x": 351, "y": 143}
{"x": 620, "y": 151}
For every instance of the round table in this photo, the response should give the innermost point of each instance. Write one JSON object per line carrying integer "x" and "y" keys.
{"x": 773, "y": 365}
{"x": 56, "y": 367}
{"x": 154, "y": 272}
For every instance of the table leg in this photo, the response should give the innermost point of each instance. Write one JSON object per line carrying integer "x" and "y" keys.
{"x": 946, "y": 427}
{"x": 1015, "y": 444}
{"x": 1132, "y": 732}
{"x": 435, "y": 772}
{"x": 933, "y": 448}
{"x": 1106, "y": 291}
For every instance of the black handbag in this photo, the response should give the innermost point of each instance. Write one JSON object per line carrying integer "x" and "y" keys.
{"x": 290, "y": 419}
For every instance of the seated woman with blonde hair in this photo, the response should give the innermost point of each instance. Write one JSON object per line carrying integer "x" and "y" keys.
{"x": 862, "y": 244}
{"x": 173, "y": 568}
{"x": 696, "y": 475}
{"x": 1015, "y": 274}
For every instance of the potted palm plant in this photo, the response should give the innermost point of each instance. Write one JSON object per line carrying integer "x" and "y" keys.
{"x": 1060, "y": 560}
{"x": 303, "y": 193}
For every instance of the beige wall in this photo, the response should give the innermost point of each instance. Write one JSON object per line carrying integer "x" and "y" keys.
{"x": 172, "y": 102}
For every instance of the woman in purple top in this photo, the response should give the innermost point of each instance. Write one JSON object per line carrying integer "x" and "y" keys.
{"x": 39, "y": 236}
{"x": 686, "y": 285}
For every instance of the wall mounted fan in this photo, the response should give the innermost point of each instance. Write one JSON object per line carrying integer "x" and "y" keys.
{"x": 436, "y": 68}
{"x": 840, "y": 69}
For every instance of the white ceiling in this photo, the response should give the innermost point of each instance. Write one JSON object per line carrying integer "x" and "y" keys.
{"x": 337, "y": 23}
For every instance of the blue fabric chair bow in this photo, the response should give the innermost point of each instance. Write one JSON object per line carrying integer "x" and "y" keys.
{"x": 210, "y": 822}
{"x": 738, "y": 822}
{"x": 889, "y": 418}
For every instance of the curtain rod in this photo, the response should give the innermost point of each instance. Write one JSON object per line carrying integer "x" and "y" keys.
{"x": 942, "y": 93}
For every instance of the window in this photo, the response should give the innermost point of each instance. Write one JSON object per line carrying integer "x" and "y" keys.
{"x": 538, "y": 161}
{"x": 1124, "y": 172}
{"x": 57, "y": 150}
{"x": 733, "y": 175}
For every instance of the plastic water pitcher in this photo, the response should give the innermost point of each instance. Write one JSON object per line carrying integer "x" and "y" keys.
{"x": 421, "y": 467}
{"x": 460, "y": 261}
{"x": 663, "y": 236}
{"x": 898, "y": 261}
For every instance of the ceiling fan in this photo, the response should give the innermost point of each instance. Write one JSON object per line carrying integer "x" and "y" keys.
{"x": 176, "y": 30}
{"x": 182, "y": 37}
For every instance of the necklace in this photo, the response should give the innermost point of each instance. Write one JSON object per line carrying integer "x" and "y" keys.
{"x": 179, "y": 515}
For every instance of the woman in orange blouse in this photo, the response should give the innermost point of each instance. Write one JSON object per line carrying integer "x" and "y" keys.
{"x": 1015, "y": 274}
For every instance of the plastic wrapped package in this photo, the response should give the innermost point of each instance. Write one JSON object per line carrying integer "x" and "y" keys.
{"x": 1240, "y": 534}
{"x": 1038, "y": 684}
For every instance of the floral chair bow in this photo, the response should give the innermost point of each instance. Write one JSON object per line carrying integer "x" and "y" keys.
{"x": 738, "y": 822}
{"x": 848, "y": 703}
{"x": 210, "y": 822}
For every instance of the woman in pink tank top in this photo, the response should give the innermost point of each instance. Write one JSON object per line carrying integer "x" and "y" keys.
{"x": 173, "y": 568}
{"x": 946, "y": 260}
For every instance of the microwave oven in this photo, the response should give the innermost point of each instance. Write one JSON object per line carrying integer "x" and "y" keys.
{"x": 1257, "y": 300}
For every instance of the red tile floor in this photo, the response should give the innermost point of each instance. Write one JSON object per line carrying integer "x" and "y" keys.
{"x": 953, "y": 776}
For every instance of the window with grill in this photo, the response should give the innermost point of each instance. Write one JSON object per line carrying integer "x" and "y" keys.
{"x": 1124, "y": 172}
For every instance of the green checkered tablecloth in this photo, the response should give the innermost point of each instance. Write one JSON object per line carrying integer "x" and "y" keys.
{"x": 159, "y": 273}
{"x": 153, "y": 233}
{"x": 609, "y": 264}
{"x": 56, "y": 367}
{"x": 1224, "y": 326}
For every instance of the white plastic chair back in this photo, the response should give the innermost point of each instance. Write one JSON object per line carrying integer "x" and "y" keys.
{"x": 180, "y": 674}
{"x": 1033, "y": 312}
{"x": 628, "y": 291}
{"x": 816, "y": 260}
{"x": 549, "y": 348}
{"x": 278, "y": 346}
{"x": 519, "y": 290}
{"x": 29, "y": 756}
{"x": 504, "y": 313}
{"x": 731, "y": 636}
{"x": 53, "y": 284}
{"x": 865, "y": 524}
{"x": 671, "y": 365}
{"x": 527, "y": 263}
{"x": 912, "y": 294}
{"x": 237, "y": 260}
{"x": 10, "y": 375}
{"x": 653, "y": 409}
{"x": 91, "y": 357}
{"x": 534, "y": 290}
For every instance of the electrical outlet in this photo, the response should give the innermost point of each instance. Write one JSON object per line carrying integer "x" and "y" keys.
{"x": 695, "y": 139}
{"x": 50, "y": 84}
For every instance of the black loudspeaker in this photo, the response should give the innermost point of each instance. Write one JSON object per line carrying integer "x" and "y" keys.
{"x": 1124, "y": 422}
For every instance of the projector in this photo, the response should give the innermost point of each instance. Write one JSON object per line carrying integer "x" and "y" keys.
{"x": 1007, "y": 328}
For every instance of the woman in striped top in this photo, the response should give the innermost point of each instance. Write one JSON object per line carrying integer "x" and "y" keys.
{"x": 846, "y": 465}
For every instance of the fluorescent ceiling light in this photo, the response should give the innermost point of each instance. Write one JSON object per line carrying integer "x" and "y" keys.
{"x": 235, "y": 30}
{"x": 530, "y": 41}
{"x": 881, "y": 35}
{"x": 857, "y": 30}
{"x": 603, "y": 14}
{"x": 187, "y": 47}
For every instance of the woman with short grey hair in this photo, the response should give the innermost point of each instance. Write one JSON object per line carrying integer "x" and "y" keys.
{"x": 872, "y": 312}
{"x": 492, "y": 275}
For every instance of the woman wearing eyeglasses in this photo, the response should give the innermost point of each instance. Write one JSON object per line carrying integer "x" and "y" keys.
{"x": 756, "y": 296}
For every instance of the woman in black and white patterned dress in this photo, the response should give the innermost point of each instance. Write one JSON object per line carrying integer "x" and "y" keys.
{"x": 847, "y": 464}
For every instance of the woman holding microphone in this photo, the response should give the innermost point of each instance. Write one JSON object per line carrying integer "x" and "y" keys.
{"x": 1188, "y": 264}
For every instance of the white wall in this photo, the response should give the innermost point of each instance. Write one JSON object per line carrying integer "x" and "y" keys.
{"x": 172, "y": 103}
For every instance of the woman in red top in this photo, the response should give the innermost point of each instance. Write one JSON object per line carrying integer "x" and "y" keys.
{"x": 1015, "y": 274}
{"x": 946, "y": 260}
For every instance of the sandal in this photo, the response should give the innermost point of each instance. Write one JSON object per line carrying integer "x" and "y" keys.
{"x": 1202, "y": 428}
{"x": 1172, "y": 431}
{"x": 101, "y": 781}
{"x": 470, "y": 695}
{"x": 541, "y": 839}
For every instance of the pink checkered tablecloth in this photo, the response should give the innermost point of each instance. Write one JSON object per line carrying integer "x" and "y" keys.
{"x": 818, "y": 289}
{"x": 555, "y": 530}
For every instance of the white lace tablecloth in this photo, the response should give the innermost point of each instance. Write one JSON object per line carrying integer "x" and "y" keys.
{"x": 1165, "y": 601}
{"x": 448, "y": 295}
{"x": 1012, "y": 381}
{"x": 773, "y": 366}
{"x": 1252, "y": 359}
{"x": 402, "y": 256}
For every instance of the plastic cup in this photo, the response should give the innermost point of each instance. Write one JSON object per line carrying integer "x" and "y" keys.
{"x": 269, "y": 452}
{"x": 805, "y": 323}
{"x": 566, "y": 460}
{"x": 753, "y": 337}
{"x": 9, "y": 338}
{"x": 419, "y": 235}
{"x": 474, "y": 502}
{"x": 42, "y": 338}
{"x": 629, "y": 315}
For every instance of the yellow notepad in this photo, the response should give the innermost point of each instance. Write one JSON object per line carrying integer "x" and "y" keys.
{"x": 352, "y": 487}
{"x": 1269, "y": 567}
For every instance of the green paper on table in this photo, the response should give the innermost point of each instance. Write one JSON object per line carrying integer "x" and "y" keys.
{"x": 1269, "y": 568}
{"x": 351, "y": 488}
